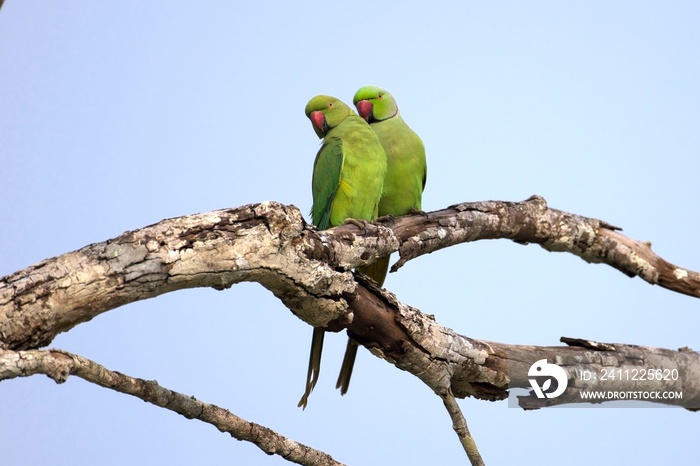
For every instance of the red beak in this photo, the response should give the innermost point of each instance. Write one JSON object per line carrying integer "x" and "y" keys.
{"x": 364, "y": 107}
{"x": 318, "y": 119}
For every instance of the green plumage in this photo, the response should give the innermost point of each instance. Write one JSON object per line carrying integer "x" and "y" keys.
{"x": 406, "y": 166}
{"x": 347, "y": 183}
{"x": 403, "y": 185}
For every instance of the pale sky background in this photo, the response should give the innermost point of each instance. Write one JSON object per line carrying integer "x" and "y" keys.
{"x": 116, "y": 115}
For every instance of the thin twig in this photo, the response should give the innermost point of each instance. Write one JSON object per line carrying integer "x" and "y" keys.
{"x": 459, "y": 424}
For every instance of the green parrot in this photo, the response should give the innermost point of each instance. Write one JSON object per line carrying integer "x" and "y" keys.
{"x": 347, "y": 183}
{"x": 403, "y": 185}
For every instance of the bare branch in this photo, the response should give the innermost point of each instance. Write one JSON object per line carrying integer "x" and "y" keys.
{"x": 268, "y": 243}
{"x": 459, "y": 424}
{"x": 445, "y": 360}
{"x": 271, "y": 243}
{"x": 59, "y": 365}
{"x": 531, "y": 221}
{"x": 308, "y": 271}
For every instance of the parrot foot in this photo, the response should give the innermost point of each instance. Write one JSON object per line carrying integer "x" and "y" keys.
{"x": 416, "y": 212}
{"x": 359, "y": 223}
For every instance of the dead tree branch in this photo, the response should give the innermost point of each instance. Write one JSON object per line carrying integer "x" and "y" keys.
{"x": 59, "y": 365}
{"x": 309, "y": 272}
{"x": 459, "y": 424}
{"x": 272, "y": 244}
{"x": 531, "y": 221}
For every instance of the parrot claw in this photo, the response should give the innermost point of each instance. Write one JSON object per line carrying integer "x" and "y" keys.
{"x": 416, "y": 212}
{"x": 359, "y": 223}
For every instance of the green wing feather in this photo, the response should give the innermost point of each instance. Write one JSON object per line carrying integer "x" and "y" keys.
{"x": 325, "y": 182}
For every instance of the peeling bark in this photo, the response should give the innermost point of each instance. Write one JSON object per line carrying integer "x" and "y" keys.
{"x": 309, "y": 271}
{"x": 531, "y": 221}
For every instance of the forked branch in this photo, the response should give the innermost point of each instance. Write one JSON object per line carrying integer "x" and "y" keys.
{"x": 310, "y": 272}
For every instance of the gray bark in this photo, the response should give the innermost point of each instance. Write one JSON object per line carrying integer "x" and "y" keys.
{"x": 310, "y": 271}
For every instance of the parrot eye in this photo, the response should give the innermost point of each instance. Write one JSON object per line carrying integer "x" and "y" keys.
{"x": 330, "y": 104}
{"x": 380, "y": 95}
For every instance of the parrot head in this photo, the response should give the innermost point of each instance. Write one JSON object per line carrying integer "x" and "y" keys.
{"x": 325, "y": 113}
{"x": 375, "y": 104}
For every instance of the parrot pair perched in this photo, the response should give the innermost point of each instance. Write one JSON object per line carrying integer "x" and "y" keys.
{"x": 361, "y": 171}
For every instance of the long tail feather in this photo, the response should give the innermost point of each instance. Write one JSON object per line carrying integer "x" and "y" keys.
{"x": 314, "y": 365}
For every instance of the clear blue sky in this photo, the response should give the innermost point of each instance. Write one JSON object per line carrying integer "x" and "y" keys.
{"x": 116, "y": 115}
